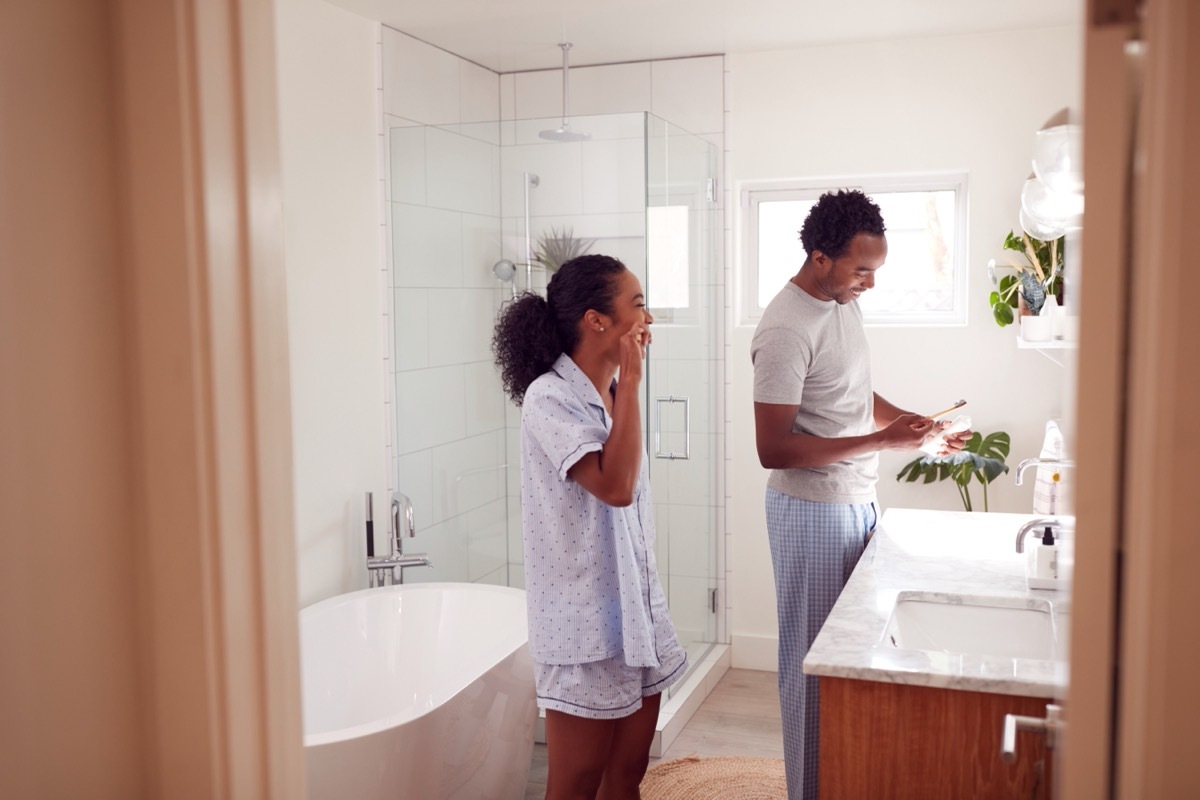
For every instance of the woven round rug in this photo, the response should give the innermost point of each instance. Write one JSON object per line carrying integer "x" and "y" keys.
{"x": 717, "y": 778}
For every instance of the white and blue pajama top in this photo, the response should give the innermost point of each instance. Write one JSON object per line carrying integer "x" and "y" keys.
{"x": 590, "y": 573}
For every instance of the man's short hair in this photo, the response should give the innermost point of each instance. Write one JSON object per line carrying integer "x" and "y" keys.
{"x": 836, "y": 219}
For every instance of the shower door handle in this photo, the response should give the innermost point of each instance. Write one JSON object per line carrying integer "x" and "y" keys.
{"x": 687, "y": 428}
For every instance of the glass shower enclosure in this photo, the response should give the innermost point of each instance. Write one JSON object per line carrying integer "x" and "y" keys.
{"x": 468, "y": 205}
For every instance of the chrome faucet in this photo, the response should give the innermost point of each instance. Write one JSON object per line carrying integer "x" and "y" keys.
{"x": 401, "y": 503}
{"x": 1041, "y": 462}
{"x": 388, "y": 570}
{"x": 1035, "y": 527}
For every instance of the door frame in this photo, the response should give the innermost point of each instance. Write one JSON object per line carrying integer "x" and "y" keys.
{"x": 207, "y": 343}
{"x": 1132, "y": 701}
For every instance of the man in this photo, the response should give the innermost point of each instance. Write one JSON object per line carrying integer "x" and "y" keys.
{"x": 819, "y": 427}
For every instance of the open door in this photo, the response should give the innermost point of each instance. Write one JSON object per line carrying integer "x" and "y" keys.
{"x": 1131, "y": 710}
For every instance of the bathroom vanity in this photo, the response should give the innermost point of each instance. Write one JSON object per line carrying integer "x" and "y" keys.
{"x": 935, "y": 638}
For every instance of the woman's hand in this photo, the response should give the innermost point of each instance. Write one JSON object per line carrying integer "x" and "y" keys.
{"x": 633, "y": 352}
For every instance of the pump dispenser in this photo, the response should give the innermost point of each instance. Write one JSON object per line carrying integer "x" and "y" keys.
{"x": 1046, "y": 558}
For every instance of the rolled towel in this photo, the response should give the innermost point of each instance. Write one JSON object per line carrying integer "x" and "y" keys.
{"x": 1046, "y": 489}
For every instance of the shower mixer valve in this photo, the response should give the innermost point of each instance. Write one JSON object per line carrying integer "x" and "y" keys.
{"x": 389, "y": 570}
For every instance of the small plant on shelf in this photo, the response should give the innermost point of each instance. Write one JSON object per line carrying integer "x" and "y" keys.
{"x": 555, "y": 248}
{"x": 1038, "y": 273}
{"x": 981, "y": 458}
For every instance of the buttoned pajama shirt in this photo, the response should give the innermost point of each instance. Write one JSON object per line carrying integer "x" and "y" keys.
{"x": 599, "y": 630}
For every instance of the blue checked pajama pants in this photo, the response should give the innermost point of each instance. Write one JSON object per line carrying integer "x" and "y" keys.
{"x": 814, "y": 547}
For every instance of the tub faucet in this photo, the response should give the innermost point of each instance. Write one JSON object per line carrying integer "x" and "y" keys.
{"x": 1041, "y": 462}
{"x": 388, "y": 570}
{"x": 1035, "y": 526}
{"x": 401, "y": 507}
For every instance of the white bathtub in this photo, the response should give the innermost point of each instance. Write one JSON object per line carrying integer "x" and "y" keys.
{"x": 422, "y": 691}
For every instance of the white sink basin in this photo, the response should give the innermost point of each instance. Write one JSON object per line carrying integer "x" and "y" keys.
{"x": 1008, "y": 627}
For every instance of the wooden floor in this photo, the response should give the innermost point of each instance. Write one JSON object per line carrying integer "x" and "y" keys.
{"x": 740, "y": 717}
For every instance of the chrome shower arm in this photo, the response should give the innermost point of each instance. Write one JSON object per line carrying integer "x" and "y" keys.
{"x": 566, "y": 83}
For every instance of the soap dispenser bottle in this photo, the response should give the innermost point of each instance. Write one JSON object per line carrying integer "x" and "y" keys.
{"x": 1046, "y": 559}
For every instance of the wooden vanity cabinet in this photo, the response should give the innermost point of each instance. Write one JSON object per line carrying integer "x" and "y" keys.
{"x": 887, "y": 740}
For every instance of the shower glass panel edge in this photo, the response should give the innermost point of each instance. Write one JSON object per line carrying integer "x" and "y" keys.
{"x": 682, "y": 424}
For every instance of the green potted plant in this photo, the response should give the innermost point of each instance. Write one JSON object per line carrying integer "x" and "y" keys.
{"x": 982, "y": 459}
{"x": 555, "y": 248}
{"x": 1037, "y": 273}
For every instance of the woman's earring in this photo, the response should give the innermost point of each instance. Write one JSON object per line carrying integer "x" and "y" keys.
{"x": 602, "y": 329}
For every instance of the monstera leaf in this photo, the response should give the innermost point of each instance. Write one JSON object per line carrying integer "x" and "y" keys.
{"x": 982, "y": 458}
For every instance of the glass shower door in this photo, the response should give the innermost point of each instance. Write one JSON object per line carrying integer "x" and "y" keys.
{"x": 682, "y": 423}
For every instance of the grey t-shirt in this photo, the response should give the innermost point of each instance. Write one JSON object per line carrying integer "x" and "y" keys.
{"x": 814, "y": 354}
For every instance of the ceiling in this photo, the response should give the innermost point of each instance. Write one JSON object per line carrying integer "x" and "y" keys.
{"x": 521, "y": 35}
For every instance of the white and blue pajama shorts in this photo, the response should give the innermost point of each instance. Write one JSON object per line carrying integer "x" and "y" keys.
{"x": 607, "y": 689}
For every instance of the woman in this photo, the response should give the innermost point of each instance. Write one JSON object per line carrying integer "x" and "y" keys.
{"x": 601, "y": 639}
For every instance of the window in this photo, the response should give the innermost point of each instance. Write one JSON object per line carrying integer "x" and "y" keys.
{"x": 667, "y": 275}
{"x": 923, "y": 281}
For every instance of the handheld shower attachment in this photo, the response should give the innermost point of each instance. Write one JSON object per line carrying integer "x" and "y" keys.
{"x": 505, "y": 271}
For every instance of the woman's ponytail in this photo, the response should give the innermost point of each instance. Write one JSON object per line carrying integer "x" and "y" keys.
{"x": 525, "y": 343}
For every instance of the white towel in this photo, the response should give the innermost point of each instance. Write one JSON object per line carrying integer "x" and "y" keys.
{"x": 1046, "y": 489}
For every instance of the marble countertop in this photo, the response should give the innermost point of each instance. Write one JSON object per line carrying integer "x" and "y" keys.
{"x": 948, "y": 553}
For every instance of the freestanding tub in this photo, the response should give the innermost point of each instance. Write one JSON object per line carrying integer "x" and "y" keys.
{"x": 420, "y": 692}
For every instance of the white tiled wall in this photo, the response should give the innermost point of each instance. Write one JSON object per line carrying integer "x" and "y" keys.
{"x": 455, "y": 449}
{"x": 444, "y": 209}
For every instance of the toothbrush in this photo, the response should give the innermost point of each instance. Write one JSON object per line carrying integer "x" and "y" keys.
{"x": 959, "y": 404}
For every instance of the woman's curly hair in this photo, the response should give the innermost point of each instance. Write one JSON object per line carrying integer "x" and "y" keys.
{"x": 532, "y": 332}
{"x": 836, "y": 219}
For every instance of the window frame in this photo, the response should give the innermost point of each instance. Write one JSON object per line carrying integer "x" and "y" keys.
{"x": 751, "y": 193}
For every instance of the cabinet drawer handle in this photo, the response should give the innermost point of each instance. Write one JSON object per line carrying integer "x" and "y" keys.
{"x": 1015, "y": 722}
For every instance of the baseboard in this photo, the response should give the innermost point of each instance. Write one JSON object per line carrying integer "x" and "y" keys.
{"x": 756, "y": 652}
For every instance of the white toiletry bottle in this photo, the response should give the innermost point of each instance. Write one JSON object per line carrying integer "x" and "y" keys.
{"x": 1046, "y": 564}
{"x": 1051, "y": 311}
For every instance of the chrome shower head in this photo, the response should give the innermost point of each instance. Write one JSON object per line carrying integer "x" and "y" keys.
{"x": 564, "y": 133}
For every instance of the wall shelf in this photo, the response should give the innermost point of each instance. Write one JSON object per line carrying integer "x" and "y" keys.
{"x": 1050, "y": 344}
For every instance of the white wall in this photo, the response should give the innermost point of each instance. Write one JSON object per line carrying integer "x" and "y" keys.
{"x": 329, "y": 116}
{"x": 953, "y": 103}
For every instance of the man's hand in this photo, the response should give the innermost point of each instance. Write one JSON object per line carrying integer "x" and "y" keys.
{"x": 906, "y": 432}
{"x": 954, "y": 442}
